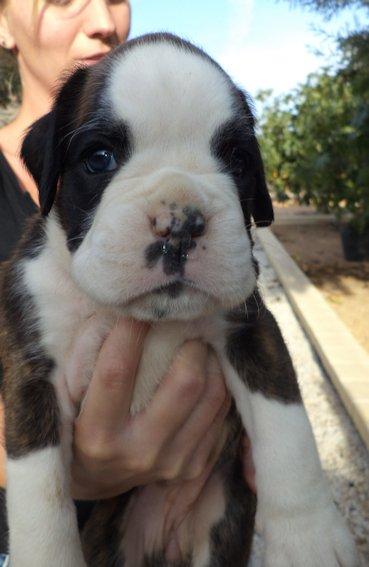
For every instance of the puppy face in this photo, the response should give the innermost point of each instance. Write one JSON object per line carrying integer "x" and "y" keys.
{"x": 158, "y": 171}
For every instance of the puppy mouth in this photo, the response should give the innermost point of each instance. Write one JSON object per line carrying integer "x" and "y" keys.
{"x": 170, "y": 291}
{"x": 176, "y": 299}
{"x": 173, "y": 289}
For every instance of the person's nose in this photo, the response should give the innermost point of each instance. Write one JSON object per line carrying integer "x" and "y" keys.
{"x": 99, "y": 21}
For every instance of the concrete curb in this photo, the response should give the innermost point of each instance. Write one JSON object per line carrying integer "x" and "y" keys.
{"x": 344, "y": 360}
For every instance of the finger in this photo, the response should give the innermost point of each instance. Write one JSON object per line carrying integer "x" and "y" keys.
{"x": 109, "y": 394}
{"x": 178, "y": 393}
{"x": 210, "y": 446}
{"x": 206, "y": 409}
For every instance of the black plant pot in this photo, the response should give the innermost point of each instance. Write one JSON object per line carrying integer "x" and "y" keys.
{"x": 355, "y": 244}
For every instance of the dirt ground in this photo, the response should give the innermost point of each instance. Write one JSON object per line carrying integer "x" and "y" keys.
{"x": 316, "y": 248}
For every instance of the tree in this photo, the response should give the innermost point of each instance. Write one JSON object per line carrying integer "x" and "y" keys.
{"x": 330, "y": 7}
{"x": 315, "y": 149}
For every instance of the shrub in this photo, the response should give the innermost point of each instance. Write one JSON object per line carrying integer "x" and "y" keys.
{"x": 315, "y": 144}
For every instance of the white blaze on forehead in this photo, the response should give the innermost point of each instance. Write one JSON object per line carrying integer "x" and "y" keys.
{"x": 167, "y": 93}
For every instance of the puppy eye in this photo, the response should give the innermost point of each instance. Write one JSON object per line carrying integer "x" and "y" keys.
{"x": 100, "y": 161}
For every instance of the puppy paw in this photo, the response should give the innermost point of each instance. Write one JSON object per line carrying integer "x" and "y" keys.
{"x": 316, "y": 539}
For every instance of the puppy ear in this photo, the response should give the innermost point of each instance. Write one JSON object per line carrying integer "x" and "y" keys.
{"x": 261, "y": 207}
{"x": 42, "y": 148}
{"x": 40, "y": 155}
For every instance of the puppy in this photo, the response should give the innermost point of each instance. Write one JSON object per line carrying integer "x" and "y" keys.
{"x": 149, "y": 173}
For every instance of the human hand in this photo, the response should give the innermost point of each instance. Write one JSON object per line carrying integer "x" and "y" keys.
{"x": 174, "y": 438}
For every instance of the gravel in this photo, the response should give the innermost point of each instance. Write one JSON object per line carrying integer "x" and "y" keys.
{"x": 344, "y": 456}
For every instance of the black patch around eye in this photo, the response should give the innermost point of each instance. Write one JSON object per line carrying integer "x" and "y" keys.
{"x": 106, "y": 149}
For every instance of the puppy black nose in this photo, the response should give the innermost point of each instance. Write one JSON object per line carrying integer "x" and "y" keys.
{"x": 193, "y": 225}
{"x": 187, "y": 222}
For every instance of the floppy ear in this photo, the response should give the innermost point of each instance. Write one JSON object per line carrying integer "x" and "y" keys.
{"x": 261, "y": 207}
{"x": 40, "y": 155}
{"x": 42, "y": 148}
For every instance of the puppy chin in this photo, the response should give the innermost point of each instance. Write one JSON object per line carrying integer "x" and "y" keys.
{"x": 191, "y": 304}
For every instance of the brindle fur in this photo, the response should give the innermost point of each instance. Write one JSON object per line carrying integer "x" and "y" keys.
{"x": 101, "y": 535}
{"x": 230, "y": 538}
{"x": 32, "y": 416}
{"x": 257, "y": 351}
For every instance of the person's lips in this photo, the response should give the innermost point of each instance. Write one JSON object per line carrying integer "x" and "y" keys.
{"x": 94, "y": 58}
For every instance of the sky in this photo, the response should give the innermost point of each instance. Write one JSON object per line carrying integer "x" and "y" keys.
{"x": 262, "y": 44}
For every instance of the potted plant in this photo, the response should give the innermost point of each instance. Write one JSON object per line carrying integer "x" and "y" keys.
{"x": 355, "y": 238}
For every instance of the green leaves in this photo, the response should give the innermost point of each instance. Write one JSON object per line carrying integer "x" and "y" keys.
{"x": 315, "y": 141}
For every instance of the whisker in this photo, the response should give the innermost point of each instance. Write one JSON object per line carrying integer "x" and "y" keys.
{"x": 257, "y": 304}
{"x": 246, "y": 310}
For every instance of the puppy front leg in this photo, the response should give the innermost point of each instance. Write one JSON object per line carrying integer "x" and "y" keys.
{"x": 301, "y": 525}
{"x": 42, "y": 521}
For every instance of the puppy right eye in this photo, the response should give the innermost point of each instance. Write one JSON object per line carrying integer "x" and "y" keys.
{"x": 100, "y": 161}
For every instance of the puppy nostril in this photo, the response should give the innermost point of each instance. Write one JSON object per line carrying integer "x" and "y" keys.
{"x": 198, "y": 226}
{"x": 160, "y": 226}
{"x": 195, "y": 223}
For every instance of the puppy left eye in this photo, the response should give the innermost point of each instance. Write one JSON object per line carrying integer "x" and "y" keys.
{"x": 100, "y": 161}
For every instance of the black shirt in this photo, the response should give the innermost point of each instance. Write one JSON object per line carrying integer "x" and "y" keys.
{"x": 16, "y": 206}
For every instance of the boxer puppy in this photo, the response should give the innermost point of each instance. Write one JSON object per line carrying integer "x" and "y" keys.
{"x": 149, "y": 173}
